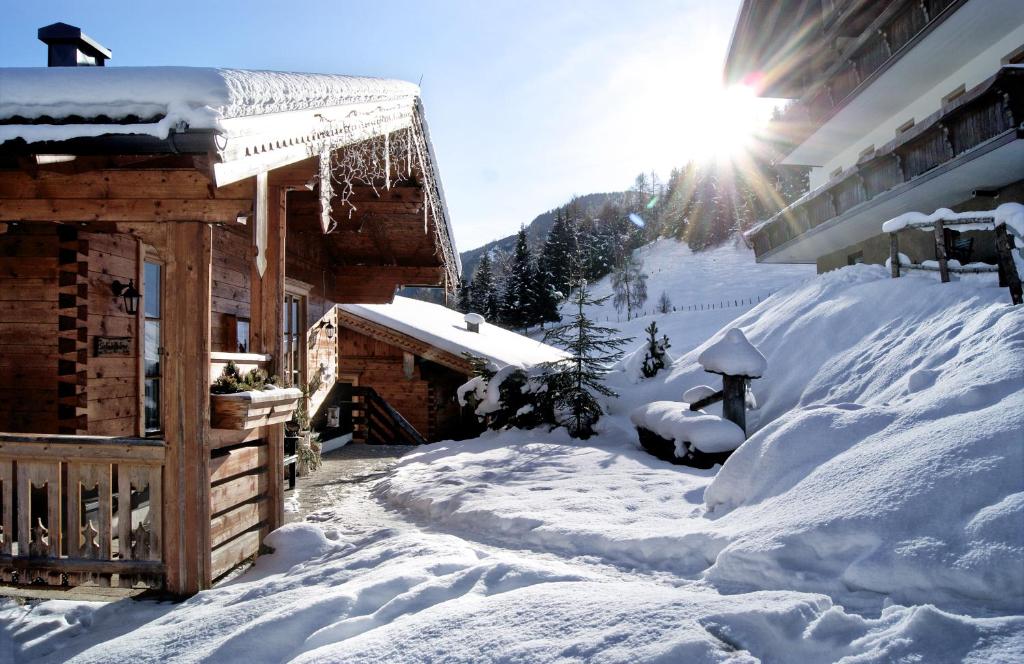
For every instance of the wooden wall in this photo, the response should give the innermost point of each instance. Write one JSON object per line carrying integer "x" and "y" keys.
{"x": 424, "y": 399}
{"x": 232, "y": 259}
{"x": 113, "y": 387}
{"x": 28, "y": 329}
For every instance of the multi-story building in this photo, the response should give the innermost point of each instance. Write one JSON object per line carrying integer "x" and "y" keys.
{"x": 910, "y": 105}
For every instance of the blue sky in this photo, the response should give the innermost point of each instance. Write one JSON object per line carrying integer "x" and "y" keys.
{"x": 528, "y": 102}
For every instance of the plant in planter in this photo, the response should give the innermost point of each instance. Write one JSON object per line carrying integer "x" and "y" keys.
{"x": 246, "y": 401}
{"x": 306, "y": 441}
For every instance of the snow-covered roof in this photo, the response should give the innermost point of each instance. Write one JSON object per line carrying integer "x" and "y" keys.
{"x": 262, "y": 118}
{"x": 733, "y": 355}
{"x": 445, "y": 329}
{"x": 255, "y": 121}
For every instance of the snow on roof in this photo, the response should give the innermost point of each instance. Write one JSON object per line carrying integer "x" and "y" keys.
{"x": 446, "y": 329}
{"x": 673, "y": 420}
{"x": 162, "y": 97}
{"x": 733, "y": 355}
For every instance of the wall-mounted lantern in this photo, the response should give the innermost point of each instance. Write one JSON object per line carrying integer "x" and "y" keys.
{"x": 329, "y": 329}
{"x": 129, "y": 294}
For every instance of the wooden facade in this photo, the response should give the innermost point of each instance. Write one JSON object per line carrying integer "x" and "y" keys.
{"x": 417, "y": 379}
{"x": 100, "y": 482}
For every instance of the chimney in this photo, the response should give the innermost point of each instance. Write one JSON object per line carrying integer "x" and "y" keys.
{"x": 68, "y": 46}
{"x": 473, "y": 322}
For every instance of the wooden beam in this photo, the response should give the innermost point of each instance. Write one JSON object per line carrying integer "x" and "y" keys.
{"x": 186, "y": 406}
{"x": 140, "y": 210}
{"x": 118, "y": 184}
{"x": 267, "y": 308}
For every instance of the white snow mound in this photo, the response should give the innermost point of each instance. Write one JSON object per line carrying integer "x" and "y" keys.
{"x": 733, "y": 355}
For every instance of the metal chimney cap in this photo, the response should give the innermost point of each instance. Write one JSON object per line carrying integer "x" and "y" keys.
{"x": 64, "y": 34}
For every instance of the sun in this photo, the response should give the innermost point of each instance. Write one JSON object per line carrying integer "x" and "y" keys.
{"x": 723, "y": 124}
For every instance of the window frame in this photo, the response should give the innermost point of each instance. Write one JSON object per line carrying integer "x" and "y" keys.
{"x": 149, "y": 258}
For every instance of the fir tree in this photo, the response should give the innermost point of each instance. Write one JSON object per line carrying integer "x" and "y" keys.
{"x": 629, "y": 284}
{"x": 656, "y": 357}
{"x": 483, "y": 291}
{"x": 465, "y": 299}
{"x": 575, "y": 383}
{"x": 558, "y": 249}
{"x": 518, "y": 304}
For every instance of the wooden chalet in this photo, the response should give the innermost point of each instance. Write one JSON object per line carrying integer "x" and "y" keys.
{"x": 411, "y": 357}
{"x": 156, "y": 223}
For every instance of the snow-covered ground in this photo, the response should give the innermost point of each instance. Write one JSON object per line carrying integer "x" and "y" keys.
{"x": 876, "y": 514}
{"x": 707, "y": 288}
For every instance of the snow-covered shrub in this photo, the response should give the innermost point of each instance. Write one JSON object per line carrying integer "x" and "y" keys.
{"x": 656, "y": 357}
{"x": 506, "y": 397}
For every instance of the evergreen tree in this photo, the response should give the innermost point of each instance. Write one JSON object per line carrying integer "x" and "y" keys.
{"x": 555, "y": 256}
{"x": 483, "y": 291}
{"x": 629, "y": 284}
{"x": 518, "y": 304}
{"x": 656, "y": 357}
{"x": 575, "y": 383}
{"x": 465, "y": 299}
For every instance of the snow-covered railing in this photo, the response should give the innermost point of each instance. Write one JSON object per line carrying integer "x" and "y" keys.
{"x": 1005, "y": 220}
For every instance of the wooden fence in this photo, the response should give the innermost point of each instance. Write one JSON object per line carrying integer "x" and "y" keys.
{"x": 77, "y": 510}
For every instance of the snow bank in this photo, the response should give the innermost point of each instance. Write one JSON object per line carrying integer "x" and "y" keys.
{"x": 733, "y": 355}
{"x": 161, "y": 97}
{"x": 673, "y": 420}
{"x": 885, "y": 464}
{"x": 446, "y": 329}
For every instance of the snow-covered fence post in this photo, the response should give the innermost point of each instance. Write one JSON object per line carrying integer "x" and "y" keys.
{"x": 1008, "y": 277}
{"x": 737, "y": 361}
{"x": 940, "y": 250}
{"x": 894, "y": 254}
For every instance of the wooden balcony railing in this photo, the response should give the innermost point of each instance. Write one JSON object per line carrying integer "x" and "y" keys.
{"x": 80, "y": 509}
{"x": 881, "y": 44}
{"x": 990, "y": 110}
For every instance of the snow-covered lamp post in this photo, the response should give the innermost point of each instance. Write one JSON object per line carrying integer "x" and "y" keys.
{"x": 737, "y": 361}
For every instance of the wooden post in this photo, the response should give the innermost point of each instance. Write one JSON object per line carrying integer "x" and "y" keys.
{"x": 186, "y": 370}
{"x": 1008, "y": 276}
{"x": 734, "y": 400}
{"x": 267, "y": 327}
{"x": 894, "y": 255}
{"x": 940, "y": 250}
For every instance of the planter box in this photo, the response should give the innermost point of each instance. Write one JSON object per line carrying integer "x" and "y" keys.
{"x": 665, "y": 450}
{"x": 248, "y": 410}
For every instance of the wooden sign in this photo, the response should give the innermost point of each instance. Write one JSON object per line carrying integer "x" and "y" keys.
{"x": 113, "y": 346}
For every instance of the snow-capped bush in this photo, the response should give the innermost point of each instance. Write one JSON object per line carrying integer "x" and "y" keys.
{"x": 507, "y": 397}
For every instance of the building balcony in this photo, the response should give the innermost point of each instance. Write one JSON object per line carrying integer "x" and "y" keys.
{"x": 907, "y": 49}
{"x": 974, "y": 142}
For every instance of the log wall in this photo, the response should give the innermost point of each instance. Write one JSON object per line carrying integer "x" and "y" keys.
{"x": 28, "y": 329}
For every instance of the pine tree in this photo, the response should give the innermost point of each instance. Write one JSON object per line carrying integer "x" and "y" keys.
{"x": 656, "y": 357}
{"x": 575, "y": 383}
{"x": 518, "y": 304}
{"x": 483, "y": 291}
{"x": 465, "y": 301}
{"x": 555, "y": 256}
{"x": 629, "y": 284}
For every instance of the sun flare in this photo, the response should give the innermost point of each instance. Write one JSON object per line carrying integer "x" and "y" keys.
{"x": 725, "y": 123}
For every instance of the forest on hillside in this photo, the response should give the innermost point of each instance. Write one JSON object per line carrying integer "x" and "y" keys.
{"x": 520, "y": 284}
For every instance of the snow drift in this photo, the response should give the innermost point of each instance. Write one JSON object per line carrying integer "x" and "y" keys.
{"x": 887, "y": 463}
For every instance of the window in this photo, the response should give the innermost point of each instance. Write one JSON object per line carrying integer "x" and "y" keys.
{"x": 151, "y": 346}
{"x": 242, "y": 335}
{"x": 294, "y": 332}
{"x": 855, "y": 259}
{"x": 1015, "y": 57}
{"x": 954, "y": 95}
